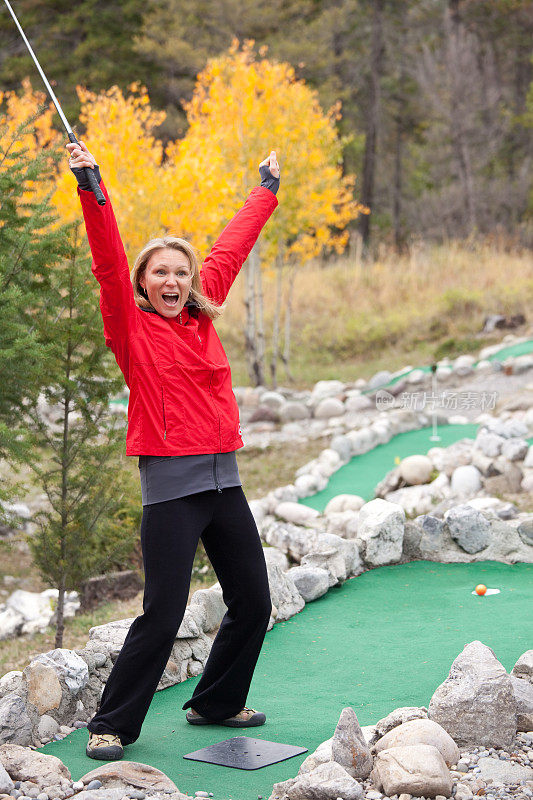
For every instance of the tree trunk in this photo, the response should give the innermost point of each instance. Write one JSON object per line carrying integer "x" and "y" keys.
{"x": 456, "y": 40}
{"x": 287, "y": 343}
{"x": 397, "y": 196}
{"x": 252, "y": 326}
{"x": 372, "y": 119}
{"x": 60, "y": 614}
{"x": 275, "y": 327}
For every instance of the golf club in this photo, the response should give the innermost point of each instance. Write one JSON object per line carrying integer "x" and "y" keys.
{"x": 72, "y": 138}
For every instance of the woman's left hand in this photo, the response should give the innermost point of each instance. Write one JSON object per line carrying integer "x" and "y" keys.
{"x": 272, "y": 163}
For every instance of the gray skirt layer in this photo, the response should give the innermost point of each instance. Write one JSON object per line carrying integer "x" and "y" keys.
{"x": 169, "y": 477}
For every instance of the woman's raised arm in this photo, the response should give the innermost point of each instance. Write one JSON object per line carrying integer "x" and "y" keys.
{"x": 109, "y": 266}
{"x": 233, "y": 246}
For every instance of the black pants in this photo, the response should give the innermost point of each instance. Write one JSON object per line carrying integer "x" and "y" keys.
{"x": 169, "y": 536}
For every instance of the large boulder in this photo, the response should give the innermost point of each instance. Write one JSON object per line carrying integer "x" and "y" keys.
{"x": 328, "y": 781}
{"x": 211, "y": 608}
{"x": 398, "y": 717}
{"x": 283, "y": 593}
{"x": 321, "y": 755}
{"x": 420, "y": 731}
{"x": 524, "y": 667}
{"x": 349, "y": 748}
{"x": 15, "y": 722}
{"x": 47, "y": 772}
{"x": 468, "y": 527}
{"x": 476, "y": 704}
{"x": 380, "y": 529}
{"x": 339, "y": 557}
{"x": 417, "y": 770}
{"x": 311, "y": 582}
{"x": 131, "y": 775}
{"x": 523, "y": 691}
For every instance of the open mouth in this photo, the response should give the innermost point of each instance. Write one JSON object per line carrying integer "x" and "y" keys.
{"x": 170, "y": 299}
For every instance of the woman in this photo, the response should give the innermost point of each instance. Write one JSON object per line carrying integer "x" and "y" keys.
{"x": 183, "y": 423}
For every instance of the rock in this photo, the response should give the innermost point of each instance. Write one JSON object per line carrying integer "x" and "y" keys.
{"x": 418, "y": 770}
{"x": 509, "y": 479}
{"x": 380, "y": 529}
{"x": 191, "y": 624}
{"x": 321, "y": 755}
{"x": 264, "y": 414}
{"x": 274, "y": 556}
{"x": 515, "y": 449}
{"x": 6, "y": 784}
{"x": 349, "y": 748}
{"x": 323, "y": 389}
{"x": 15, "y": 723}
{"x": 344, "y": 502}
{"x": 211, "y": 607}
{"x": 523, "y": 691}
{"x": 272, "y": 400}
{"x": 357, "y": 403}
{"x": 490, "y": 444}
{"x": 496, "y": 770}
{"x": 524, "y": 667}
{"x": 476, "y": 703}
{"x": 420, "y": 731}
{"x": 398, "y": 717}
{"x": 468, "y": 528}
{"x": 340, "y": 557}
{"x": 464, "y": 365}
{"x": 525, "y": 531}
{"x": 116, "y": 585}
{"x": 293, "y": 410}
{"x": 296, "y": 513}
{"x": 379, "y": 379}
{"x": 341, "y": 445}
{"x": 47, "y": 727}
{"x": 44, "y": 687}
{"x": 70, "y": 668}
{"x": 11, "y": 683}
{"x": 342, "y": 523}
{"x": 416, "y": 470}
{"x": 293, "y": 540}
{"x": 128, "y": 774}
{"x": 466, "y": 480}
{"x": 326, "y": 782}
{"x": 311, "y": 582}
{"x": 329, "y": 407}
{"x": 283, "y": 593}
{"x": 47, "y": 772}
{"x": 528, "y": 460}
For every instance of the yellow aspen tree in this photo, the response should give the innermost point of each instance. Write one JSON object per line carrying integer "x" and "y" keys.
{"x": 243, "y": 107}
{"x": 119, "y": 131}
{"x": 18, "y": 108}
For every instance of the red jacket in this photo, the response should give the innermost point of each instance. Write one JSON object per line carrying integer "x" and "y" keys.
{"x": 181, "y": 397}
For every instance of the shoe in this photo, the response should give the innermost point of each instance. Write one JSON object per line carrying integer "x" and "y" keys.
{"x": 104, "y": 746}
{"x": 247, "y": 718}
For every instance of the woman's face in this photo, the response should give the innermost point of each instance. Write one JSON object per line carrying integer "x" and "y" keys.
{"x": 167, "y": 280}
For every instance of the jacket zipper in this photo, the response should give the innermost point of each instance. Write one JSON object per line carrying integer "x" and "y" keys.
{"x": 164, "y": 418}
{"x": 215, "y": 474}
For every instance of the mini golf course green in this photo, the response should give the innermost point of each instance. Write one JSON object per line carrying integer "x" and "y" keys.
{"x": 512, "y": 351}
{"x": 384, "y": 639}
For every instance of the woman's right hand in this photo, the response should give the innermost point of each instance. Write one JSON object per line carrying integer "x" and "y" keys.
{"x": 80, "y": 156}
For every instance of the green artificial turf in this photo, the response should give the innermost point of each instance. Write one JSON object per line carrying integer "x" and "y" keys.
{"x": 362, "y": 473}
{"x": 382, "y": 640}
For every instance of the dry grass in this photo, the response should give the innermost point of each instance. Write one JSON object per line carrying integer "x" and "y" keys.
{"x": 351, "y": 318}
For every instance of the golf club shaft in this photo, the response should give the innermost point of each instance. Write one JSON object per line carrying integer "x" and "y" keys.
{"x": 72, "y": 138}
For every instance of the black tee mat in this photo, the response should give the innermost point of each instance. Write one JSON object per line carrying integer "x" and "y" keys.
{"x": 242, "y": 752}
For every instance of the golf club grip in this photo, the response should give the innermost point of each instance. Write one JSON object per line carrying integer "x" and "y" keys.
{"x": 98, "y": 193}
{"x": 89, "y": 174}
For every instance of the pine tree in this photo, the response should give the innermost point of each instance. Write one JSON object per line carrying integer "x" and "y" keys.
{"x": 29, "y": 248}
{"x": 80, "y": 533}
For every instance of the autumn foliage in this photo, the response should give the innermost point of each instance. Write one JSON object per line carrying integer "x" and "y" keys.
{"x": 243, "y": 106}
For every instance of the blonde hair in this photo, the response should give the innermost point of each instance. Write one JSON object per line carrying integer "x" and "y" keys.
{"x": 195, "y": 292}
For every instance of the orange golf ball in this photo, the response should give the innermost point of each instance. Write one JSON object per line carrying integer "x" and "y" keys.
{"x": 481, "y": 589}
